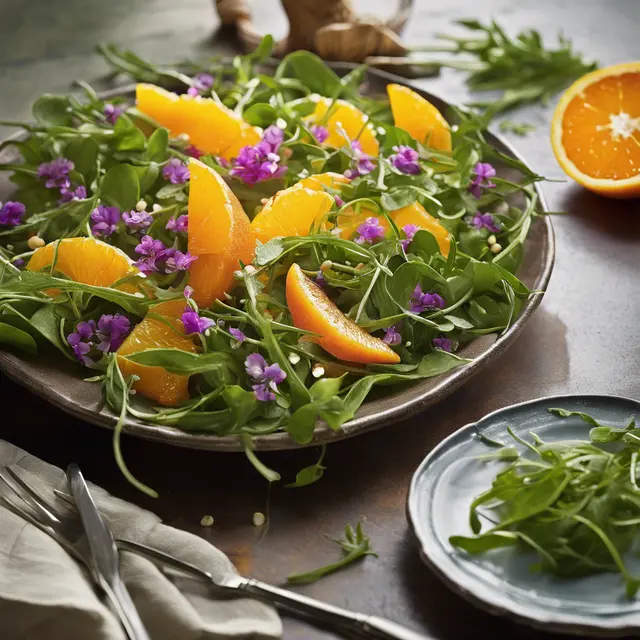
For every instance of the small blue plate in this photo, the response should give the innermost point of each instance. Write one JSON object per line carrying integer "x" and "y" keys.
{"x": 501, "y": 581}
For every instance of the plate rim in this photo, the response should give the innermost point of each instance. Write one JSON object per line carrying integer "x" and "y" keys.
{"x": 279, "y": 441}
{"x": 609, "y": 626}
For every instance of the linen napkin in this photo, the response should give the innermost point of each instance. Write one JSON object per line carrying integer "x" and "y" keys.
{"x": 45, "y": 594}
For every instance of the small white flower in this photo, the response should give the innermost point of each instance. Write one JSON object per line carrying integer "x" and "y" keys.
{"x": 326, "y": 265}
{"x": 141, "y": 205}
{"x": 336, "y": 232}
{"x": 491, "y": 240}
{"x": 317, "y": 371}
{"x": 183, "y": 137}
{"x": 294, "y": 358}
{"x": 157, "y": 207}
{"x": 408, "y": 343}
{"x": 250, "y": 269}
{"x": 35, "y": 242}
{"x": 259, "y": 519}
{"x": 496, "y": 248}
{"x": 281, "y": 123}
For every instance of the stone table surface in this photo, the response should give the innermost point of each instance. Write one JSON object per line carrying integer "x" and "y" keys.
{"x": 584, "y": 338}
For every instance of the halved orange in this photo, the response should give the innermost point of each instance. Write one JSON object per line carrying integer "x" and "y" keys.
{"x": 312, "y": 310}
{"x": 86, "y": 260}
{"x": 291, "y": 212}
{"x": 219, "y": 234}
{"x": 419, "y": 117}
{"x": 348, "y": 117}
{"x": 157, "y": 383}
{"x": 211, "y": 127}
{"x": 349, "y": 221}
{"x": 595, "y": 131}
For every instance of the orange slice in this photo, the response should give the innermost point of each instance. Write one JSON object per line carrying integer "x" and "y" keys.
{"x": 415, "y": 213}
{"x": 86, "y": 260}
{"x": 344, "y": 115}
{"x": 291, "y": 212}
{"x": 312, "y": 310}
{"x": 219, "y": 234}
{"x": 419, "y": 117}
{"x": 211, "y": 127}
{"x": 595, "y": 131}
{"x": 157, "y": 383}
{"x": 318, "y": 181}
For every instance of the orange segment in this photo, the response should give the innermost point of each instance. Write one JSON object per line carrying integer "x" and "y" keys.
{"x": 596, "y": 131}
{"x": 419, "y": 117}
{"x": 344, "y": 115}
{"x": 320, "y": 180}
{"x": 219, "y": 234}
{"x": 312, "y": 310}
{"x": 157, "y": 383}
{"x": 86, "y": 260}
{"x": 291, "y": 212}
{"x": 415, "y": 213}
{"x": 211, "y": 126}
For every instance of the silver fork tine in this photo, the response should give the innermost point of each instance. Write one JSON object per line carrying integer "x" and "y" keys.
{"x": 67, "y": 498}
{"x": 44, "y": 510}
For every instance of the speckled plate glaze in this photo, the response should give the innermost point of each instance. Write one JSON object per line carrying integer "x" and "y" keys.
{"x": 61, "y": 384}
{"x": 500, "y": 581}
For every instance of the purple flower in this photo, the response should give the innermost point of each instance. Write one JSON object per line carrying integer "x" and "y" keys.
{"x": 483, "y": 171}
{"x": 176, "y": 172}
{"x": 194, "y": 152}
{"x": 405, "y": 160}
{"x": 274, "y": 137}
{"x": 446, "y": 344}
{"x": 152, "y": 251}
{"x": 188, "y": 292}
{"x": 237, "y": 334}
{"x": 391, "y": 336}
{"x": 339, "y": 201}
{"x": 361, "y": 163}
{"x": 485, "y": 221}
{"x": 410, "y": 230}
{"x": 193, "y": 323}
{"x": 425, "y": 301}
{"x": 112, "y": 330}
{"x": 178, "y": 261}
{"x": 179, "y": 225}
{"x": 105, "y": 220}
{"x": 370, "y": 232}
{"x": 137, "y": 220}
{"x": 266, "y": 377}
{"x": 11, "y": 213}
{"x": 256, "y": 164}
{"x": 56, "y": 173}
{"x": 80, "y": 341}
{"x": 67, "y": 194}
{"x": 202, "y": 82}
{"x": 319, "y": 132}
{"x": 321, "y": 281}
{"x": 18, "y": 262}
{"x": 112, "y": 112}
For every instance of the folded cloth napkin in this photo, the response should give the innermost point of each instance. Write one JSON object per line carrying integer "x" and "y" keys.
{"x": 45, "y": 594}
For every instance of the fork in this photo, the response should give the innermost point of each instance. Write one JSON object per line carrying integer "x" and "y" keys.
{"x": 67, "y": 531}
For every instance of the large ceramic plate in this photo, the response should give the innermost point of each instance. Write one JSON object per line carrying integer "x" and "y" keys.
{"x": 501, "y": 581}
{"x": 60, "y": 383}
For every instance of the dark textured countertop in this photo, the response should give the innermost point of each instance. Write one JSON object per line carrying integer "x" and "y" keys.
{"x": 583, "y": 338}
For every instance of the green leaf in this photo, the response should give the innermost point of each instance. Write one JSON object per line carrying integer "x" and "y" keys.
{"x": 310, "y": 474}
{"x": 157, "y": 145}
{"x": 269, "y": 251}
{"x": 120, "y": 187}
{"x": 312, "y": 71}
{"x": 260, "y": 115}
{"x": 325, "y": 388}
{"x": 50, "y": 110}
{"x": 127, "y": 136}
{"x": 14, "y": 337}
{"x": 47, "y": 323}
{"x": 398, "y": 198}
{"x": 172, "y": 192}
{"x": 83, "y": 152}
{"x": 484, "y": 543}
{"x": 181, "y": 362}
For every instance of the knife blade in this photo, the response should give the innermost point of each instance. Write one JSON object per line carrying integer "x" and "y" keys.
{"x": 104, "y": 554}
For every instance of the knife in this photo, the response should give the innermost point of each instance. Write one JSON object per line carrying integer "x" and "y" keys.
{"x": 104, "y": 555}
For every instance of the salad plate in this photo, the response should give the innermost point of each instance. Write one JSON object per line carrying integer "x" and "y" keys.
{"x": 502, "y": 581}
{"x": 59, "y": 382}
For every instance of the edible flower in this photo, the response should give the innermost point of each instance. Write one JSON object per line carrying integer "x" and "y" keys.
{"x": 178, "y": 261}
{"x": 80, "y": 341}
{"x": 392, "y": 336}
{"x": 361, "y": 163}
{"x": 405, "y": 160}
{"x": 105, "y": 220}
{"x": 485, "y": 221}
{"x": 194, "y": 152}
{"x": 152, "y": 252}
{"x": 319, "y": 132}
{"x": 260, "y": 162}
{"x": 111, "y": 331}
{"x": 201, "y": 83}
{"x": 421, "y": 301}
{"x": 446, "y": 344}
{"x": 483, "y": 171}
{"x": 67, "y": 194}
{"x": 370, "y": 231}
{"x": 266, "y": 377}
{"x": 176, "y": 172}
{"x": 410, "y": 230}
{"x": 193, "y": 323}
{"x": 137, "y": 220}
{"x": 11, "y": 213}
{"x": 179, "y": 224}
{"x": 56, "y": 173}
{"x": 237, "y": 334}
{"x": 112, "y": 112}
